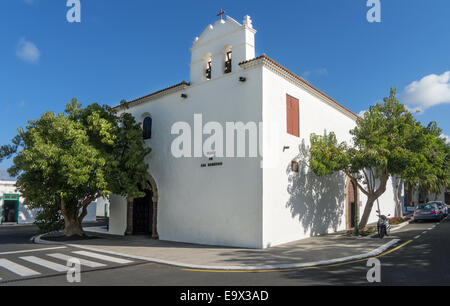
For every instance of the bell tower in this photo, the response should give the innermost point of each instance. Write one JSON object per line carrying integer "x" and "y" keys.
{"x": 220, "y": 48}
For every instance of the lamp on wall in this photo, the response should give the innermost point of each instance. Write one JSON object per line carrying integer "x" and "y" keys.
{"x": 242, "y": 79}
{"x": 184, "y": 96}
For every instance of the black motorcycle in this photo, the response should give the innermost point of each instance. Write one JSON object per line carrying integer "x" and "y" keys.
{"x": 383, "y": 225}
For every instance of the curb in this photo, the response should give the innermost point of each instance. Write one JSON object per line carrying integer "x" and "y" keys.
{"x": 372, "y": 253}
{"x": 400, "y": 226}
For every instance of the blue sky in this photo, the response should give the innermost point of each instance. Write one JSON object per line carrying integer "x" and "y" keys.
{"x": 123, "y": 49}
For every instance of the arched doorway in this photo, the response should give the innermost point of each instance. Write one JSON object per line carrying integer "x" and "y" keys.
{"x": 143, "y": 214}
{"x": 352, "y": 203}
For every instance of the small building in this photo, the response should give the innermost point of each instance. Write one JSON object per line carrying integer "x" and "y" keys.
{"x": 12, "y": 210}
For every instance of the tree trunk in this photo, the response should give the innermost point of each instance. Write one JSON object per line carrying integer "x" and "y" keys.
{"x": 72, "y": 222}
{"x": 398, "y": 204}
{"x": 367, "y": 211}
{"x": 72, "y": 228}
{"x": 371, "y": 198}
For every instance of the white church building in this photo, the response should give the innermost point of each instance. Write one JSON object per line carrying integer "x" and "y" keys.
{"x": 218, "y": 193}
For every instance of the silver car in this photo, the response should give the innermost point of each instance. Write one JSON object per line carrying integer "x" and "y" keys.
{"x": 428, "y": 211}
{"x": 442, "y": 206}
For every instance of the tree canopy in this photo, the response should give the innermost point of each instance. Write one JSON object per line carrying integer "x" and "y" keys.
{"x": 387, "y": 141}
{"x": 70, "y": 159}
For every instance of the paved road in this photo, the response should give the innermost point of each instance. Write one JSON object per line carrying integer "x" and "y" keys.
{"x": 422, "y": 259}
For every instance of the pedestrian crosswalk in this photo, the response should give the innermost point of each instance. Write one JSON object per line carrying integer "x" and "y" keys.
{"x": 103, "y": 257}
{"x": 27, "y": 266}
{"x": 83, "y": 262}
{"x": 46, "y": 264}
{"x": 16, "y": 268}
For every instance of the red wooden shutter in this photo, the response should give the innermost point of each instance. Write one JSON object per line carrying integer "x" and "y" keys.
{"x": 292, "y": 116}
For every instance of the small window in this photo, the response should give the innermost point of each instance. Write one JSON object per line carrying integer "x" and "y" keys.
{"x": 208, "y": 70}
{"x": 147, "y": 127}
{"x": 228, "y": 62}
{"x": 292, "y": 116}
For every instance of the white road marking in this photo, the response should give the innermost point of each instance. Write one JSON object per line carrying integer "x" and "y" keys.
{"x": 45, "y": 263}
{"x": 84, "y": 262}
{"x": 35, "y": 250}
{"x": 417, "y": 237}
{"x": 16, "y": 268}
{"x": 103, "y": 257}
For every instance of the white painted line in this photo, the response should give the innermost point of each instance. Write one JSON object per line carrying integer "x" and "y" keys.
{"x": 84, "y": 262}
{"x": 430, "y": 228}
{"x": 103, "y": 257}
{"x": 424, "y": 232}
{"x": 35, "y": 250}
{"x": 16, "y": 268}
{"x": 45, "y": 263}
{"x": 417, "y": 237}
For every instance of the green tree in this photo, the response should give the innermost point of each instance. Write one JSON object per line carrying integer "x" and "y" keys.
{"x": 436, "y": 176}
{"x": 68, "y": 160}
{"x": 379, "y": 149}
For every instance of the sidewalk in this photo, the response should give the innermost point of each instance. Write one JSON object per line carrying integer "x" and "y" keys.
{"x": 308, "y": 252}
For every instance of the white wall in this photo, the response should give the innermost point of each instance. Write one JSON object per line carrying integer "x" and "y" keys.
{"x": 214, "y": 205}
{"x": 101, "y": 203}
{"x": 118, "y": 215}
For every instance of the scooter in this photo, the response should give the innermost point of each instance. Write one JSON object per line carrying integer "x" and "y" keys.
{"x": 383, "y": 225}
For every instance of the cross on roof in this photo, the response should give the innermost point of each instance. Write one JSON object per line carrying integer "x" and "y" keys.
{"x": 221, "y": 13}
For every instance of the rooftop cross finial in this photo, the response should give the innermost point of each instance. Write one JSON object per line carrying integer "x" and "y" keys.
{"x": 221, "y": 13}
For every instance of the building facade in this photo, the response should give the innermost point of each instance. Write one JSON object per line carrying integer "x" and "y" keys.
{"x": 253, "y": 187}
{"x": 12, "y": 210}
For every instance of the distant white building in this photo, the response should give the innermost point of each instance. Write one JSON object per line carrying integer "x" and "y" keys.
{"x": 12, "y": 208}
{"x": 13, "y": 211}
{"x": 256, "y": 201}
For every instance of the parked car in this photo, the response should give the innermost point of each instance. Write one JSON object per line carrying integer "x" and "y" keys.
{"x": 428, "y": 211}
{"x": 442, "y": 206}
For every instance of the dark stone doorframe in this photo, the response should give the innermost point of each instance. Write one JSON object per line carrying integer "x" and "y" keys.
{"x": 348, "y": 207}
{"x": 129, "y": 230}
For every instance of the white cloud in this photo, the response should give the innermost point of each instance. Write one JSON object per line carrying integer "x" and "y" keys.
{"x": 27, "y": 51}
{"x": 431, "y": 90}
{"x": 446, "y": 137}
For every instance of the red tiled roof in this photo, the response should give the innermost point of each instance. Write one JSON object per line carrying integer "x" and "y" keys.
{"x": 297, "y": 77}
{"x": 156, "y": 92}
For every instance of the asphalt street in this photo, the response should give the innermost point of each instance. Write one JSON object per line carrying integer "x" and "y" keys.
{"x": 420, "y": 258}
